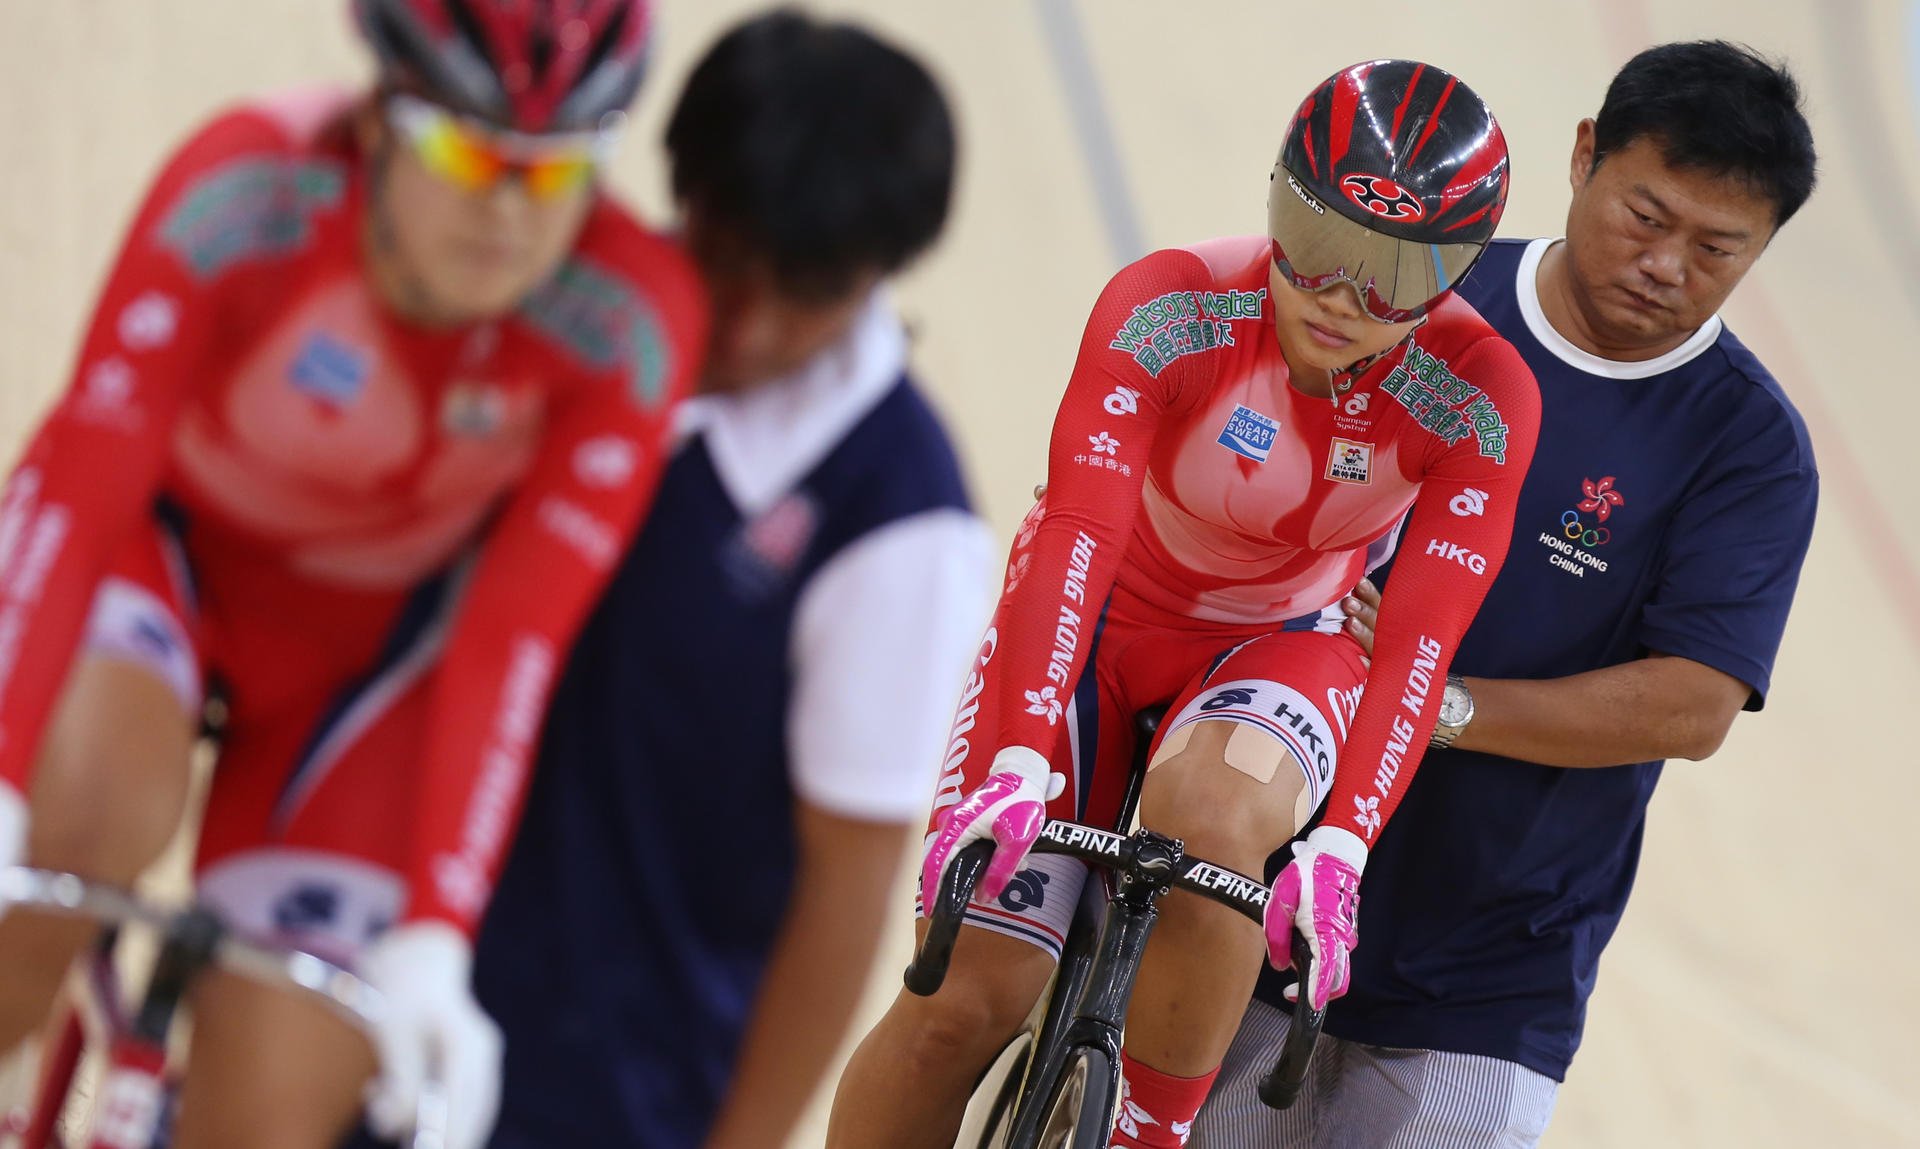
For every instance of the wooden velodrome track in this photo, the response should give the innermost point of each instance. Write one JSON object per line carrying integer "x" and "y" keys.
{"x": 1760, "y": 992}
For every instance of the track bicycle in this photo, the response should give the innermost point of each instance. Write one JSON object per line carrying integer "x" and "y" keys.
{"x": 1062, "y": 1089}
{"x": 136, "y": 1099}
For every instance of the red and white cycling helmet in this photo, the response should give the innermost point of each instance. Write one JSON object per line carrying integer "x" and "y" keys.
{"x": 1392, "y": 180}
{"x": 533, "y": 66}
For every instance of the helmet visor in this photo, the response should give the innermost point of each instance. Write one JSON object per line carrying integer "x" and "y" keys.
{"x": 1316, "y": 247}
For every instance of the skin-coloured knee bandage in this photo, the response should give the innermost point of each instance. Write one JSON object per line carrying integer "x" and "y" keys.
{"x": 1249, "y": 749}
{"x": 1255, "y": 753}
{"x": 1172, "y": 746}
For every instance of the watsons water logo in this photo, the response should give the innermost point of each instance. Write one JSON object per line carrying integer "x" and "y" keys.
{"x": 1184, "y": 323}
{"x": 1249, "y": 433}
{"x": 247, "y": 209}
{"x": 1343, "y": 705}
{"x": 595, "y": 314}
{"x": 1446, "y": 404}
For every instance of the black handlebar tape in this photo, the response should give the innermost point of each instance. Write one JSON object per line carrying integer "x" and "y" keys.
{"x": 1281, "y": 1086}
{"x": 944, "y": 918}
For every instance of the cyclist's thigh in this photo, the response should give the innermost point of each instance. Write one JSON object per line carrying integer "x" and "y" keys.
{"x": 1234, "y": 1117}
{"x": 1037, "y": 904}
{"x": 309, "y": 830}
{"x": 313, "y": 813}
{"x": 1423, "y": 1099}
{"x": 310, "y": 826}
{"x": 1093, "y": 749}
{"x": 269, "y": 1068}
{"x": 1034, "y": 910}
{"x": 113, "y": 771}
{"x": 1256, "y": 739}
{"x": 1130, "y": 665}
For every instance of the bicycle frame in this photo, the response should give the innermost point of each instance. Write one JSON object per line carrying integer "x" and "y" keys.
{"x": 134, "y": 1108}
{"x": 1104, "y": 949}
{"x": 1099, "y": 1010}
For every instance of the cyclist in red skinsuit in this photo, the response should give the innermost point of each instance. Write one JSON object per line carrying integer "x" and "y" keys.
{"x": 1213, "y": 492}
{"x": 371, "y": 402}
{"x": 1188, "y": 541}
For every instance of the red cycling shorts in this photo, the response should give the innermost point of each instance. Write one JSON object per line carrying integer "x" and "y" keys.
{"x": 309, "y": 818}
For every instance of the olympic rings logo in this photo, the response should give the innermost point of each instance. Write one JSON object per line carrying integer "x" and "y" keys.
{"x": 1580, "y": 533}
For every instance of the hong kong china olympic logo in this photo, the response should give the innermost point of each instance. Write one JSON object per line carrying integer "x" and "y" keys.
{"x": 1600, "y": 500}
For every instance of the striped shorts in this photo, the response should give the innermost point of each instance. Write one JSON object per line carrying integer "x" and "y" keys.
{"x": 1371, "y": 1097}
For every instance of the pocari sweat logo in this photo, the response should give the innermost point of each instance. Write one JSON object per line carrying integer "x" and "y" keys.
{"x": 330, "y": 370}
{"x": 1249, "y": 433}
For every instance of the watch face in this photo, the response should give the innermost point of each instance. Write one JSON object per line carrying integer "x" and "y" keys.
{"x": 1455, "y": 706}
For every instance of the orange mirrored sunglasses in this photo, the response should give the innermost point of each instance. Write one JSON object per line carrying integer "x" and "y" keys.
{"x": 474, "y": 157}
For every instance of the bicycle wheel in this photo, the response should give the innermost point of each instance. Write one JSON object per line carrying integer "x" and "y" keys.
{"x": 1046, "y": 1053}
{"x": 997, "y": 1126}
{"x": 1079, "y": 1111}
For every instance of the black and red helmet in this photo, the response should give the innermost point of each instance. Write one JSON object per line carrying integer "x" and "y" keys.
{"x": 1392, "y": 178}
{"x": 530, "y": 65}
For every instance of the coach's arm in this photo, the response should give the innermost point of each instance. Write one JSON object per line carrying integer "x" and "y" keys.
{"x": 1657, "y": 707}
{"x": 882, "y": 638}
{"x": 843, "y": 889}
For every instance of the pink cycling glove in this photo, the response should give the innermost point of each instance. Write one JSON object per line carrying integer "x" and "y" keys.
{"x": 1008, "y": 809}
{"x": 1318, "y": 892}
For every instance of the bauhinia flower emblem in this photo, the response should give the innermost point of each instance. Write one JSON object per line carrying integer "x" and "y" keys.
{"x": 1367, "y": 813}
{"x": 1601, "y": 497}
{"x": 1044, "y": 702}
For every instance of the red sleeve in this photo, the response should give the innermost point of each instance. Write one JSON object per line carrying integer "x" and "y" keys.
{"x": 91, "y": 471}
{"x": 544, "y": 564}
{"x": 1455, "y": 542}
{"x": 1096, "y": 466}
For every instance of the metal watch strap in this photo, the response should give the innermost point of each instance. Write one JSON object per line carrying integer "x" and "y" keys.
{"x": 1443, "y": 732}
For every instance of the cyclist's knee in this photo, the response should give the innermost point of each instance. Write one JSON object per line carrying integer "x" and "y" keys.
{"x": 269, "y": 1068}
{"x": 1228, "y": 791}
{"x": 112, "y": 777}
{"x": 989, "y": 992}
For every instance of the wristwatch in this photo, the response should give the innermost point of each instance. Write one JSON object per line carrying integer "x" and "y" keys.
{"x": 1456, "y": 710}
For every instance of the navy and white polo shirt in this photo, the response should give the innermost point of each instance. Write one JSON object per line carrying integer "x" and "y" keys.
{"x": 792, "y": 624}
{"x": 1669, "y": 506}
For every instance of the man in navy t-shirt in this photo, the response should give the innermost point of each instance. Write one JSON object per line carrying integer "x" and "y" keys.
{"x": 1657, "y": 544}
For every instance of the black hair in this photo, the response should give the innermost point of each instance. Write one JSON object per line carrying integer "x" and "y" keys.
{"x": 827, "y": 150}
{"x": 1716, "y": 107}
